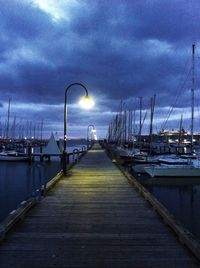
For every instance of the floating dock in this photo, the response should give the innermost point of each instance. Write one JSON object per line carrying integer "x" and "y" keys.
{"x": 93, "y": 218}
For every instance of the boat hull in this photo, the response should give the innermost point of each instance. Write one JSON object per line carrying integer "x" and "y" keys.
{"x": 158, "y": 171}
{"x": 14, "y": 158}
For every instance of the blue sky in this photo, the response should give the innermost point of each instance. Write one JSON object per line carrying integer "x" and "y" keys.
{"x": 119, "y": 49}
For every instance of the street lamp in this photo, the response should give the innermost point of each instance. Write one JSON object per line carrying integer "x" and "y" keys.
{"x": 94, "y": 135}
{"x": 88, "y": 128}
{"x": 86, "y": 102}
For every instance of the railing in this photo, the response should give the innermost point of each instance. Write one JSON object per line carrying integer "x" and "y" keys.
{"x": 38, "y": 190}
{"x": 76, "y": 154}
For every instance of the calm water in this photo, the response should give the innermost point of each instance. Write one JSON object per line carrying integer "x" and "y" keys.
{"x": 183, "y": 202}
{"x": 19, "y": 180}
{"x": 181, "y": 196}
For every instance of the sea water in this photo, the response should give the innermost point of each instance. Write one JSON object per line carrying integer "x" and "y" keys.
{"x": 20, "y": 180}
{"x": 181, "y": 196}
{"x": 182, "y": 200}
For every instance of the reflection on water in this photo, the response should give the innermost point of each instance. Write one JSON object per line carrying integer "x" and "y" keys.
{"x": 19, "y": 180}
{"x": 181, "y": 196}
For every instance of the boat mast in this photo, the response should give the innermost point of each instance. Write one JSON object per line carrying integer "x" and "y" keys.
{"x": 180, "y": 131}
{"x": 140, "y": 126}
{"x": 130, "y": 115}
{"x": 8, "y": 120}
{"x": 153, "y": 99}
{"x": 192, "y": 93}
{"x": 124, "y": 126}
{"x": 41, "y": 130}
{"x": 134, "y": 124}
{"x": 13, "y": 129}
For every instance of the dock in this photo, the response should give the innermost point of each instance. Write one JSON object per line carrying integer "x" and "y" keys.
{"x": 94, "y": 217}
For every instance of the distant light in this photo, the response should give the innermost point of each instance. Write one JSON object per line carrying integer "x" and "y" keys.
{"x": 32, "y": 138}
{"x": 94, "y": 130}
{"x": 86, "y": 102}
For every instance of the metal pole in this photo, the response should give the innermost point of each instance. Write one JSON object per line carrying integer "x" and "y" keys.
{"x": 8, "y": 121}
{"x": 192, "y": 93}
{"x": 153, "y": 99}
{"x": 41, "y": 130}
{"x": 65, "y": 124}
{"x": 140, "y": 127}
{"x": 88, "y": 134}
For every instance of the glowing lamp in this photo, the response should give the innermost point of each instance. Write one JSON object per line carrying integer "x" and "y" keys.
{"x": 86, "y": 102}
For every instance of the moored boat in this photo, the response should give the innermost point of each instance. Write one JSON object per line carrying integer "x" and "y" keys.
{"x": 163, "y": 170}
{"x": 13, "y": 156}
{"x": 173, "y": 160}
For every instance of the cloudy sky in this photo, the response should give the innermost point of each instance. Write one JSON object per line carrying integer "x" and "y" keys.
{"x": 119, "y": 49}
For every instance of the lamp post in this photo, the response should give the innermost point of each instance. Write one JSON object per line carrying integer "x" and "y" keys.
{"x": 87, "y": 102}
{"x": 93, "y": 127}
{"x": 94, "y": 136}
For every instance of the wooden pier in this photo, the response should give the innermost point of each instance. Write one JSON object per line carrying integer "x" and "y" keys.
{"x": 93, "y": 218}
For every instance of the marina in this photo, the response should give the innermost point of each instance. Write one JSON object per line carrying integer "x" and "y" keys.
{"x": 181, "y": 196}
{"x": 95, "y": 213}
{"x": 99, "y": 134}
{"x": 167, "y": 188}
{"x": 20, "y": 180}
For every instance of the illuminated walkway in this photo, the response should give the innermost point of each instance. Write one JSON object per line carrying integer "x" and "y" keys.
{"x": 93, "y": 218}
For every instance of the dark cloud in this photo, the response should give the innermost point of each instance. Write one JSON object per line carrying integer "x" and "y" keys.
{"x": 120, "y": 50}
{"x": 21, "y": 21}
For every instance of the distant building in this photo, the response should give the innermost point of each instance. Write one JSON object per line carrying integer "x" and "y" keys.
{"x": 172, "y": 133}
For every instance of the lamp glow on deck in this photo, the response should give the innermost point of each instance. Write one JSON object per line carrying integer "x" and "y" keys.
{"x": 86, "y": 102}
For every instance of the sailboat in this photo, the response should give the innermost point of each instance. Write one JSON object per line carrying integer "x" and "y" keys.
{"x": 180, "y": 168}
{"x": 187, "y": 170}
{"x": 52, "y": 147}
{"x": 13, "y": 156}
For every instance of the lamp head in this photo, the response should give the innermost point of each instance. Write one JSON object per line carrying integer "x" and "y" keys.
{"x": 86, "y": 102}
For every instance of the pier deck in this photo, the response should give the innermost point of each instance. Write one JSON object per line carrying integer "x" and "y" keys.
{"x": 93, "y": 218}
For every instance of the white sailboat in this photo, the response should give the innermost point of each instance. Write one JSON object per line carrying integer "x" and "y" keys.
{"x": 52, "y": 147}
{"x": 173, "y": 170}
{"x": 173, "y": 160}
{"x": 177, "y": 167}
{"x": 13, "y": 156}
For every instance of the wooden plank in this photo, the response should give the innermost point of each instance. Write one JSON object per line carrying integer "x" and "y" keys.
{"x": 93, "y": 218}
